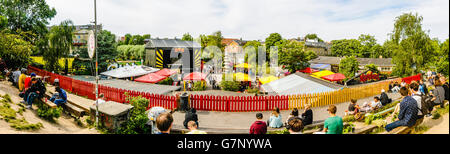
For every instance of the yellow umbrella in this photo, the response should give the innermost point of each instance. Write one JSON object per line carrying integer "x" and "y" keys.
{"x": 268, "y": 79}
{"x": 241, "y": 77}
{"x": 243, "y": 65}
{"x": 322, "y": 74}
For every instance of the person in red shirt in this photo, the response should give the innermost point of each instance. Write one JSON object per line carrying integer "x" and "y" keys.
{"x": 28, "y": 81}
{"x": 259, "y": 126}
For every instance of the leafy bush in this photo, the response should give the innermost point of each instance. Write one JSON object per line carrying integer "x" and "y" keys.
{"x": 253, "y": 90}
{"x": 167, "y": 81}
{"x": 44, "y": 111}
{"x": 349, "y": 128}
{"x": 230, "y": 85}
{"x": 199, "y": 86}
{"x": 138, "y": 119}
{"x": 284, "y": 131}
{"x": 22, "y": 124}
{"x": 349, "y": 118}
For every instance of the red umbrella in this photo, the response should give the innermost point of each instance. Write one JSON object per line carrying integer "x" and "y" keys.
{"x": 151, "y": 78}
{"x": 334, "y": 77}
{"x": 166, "y": 72}
{"x": 309, "y": 70}
{"x": 195, "y": 76}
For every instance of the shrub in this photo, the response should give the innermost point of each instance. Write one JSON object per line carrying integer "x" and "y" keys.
{"x": 230, "y": 85}
{"x": 48, "y": 113}
{"x": 253, "y": 90}
{"x": 349, "y": 118}
{"x": 349, "y": 128}
{"x": 167, "y": 81}
{"x": 199, "y": 86}
{"x": 137, "y": 124}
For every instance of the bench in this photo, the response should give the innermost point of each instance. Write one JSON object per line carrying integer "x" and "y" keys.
{"x": 320, "y": 125}
{"x": 405, "y": 129}
{"x": 70, "y": 109}
{"x": 365, "y": 130}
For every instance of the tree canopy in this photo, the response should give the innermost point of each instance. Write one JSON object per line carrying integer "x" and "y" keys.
{"x": 349, "y": 66}
{"x": 14, "y": 49}
{"x": 60, "y": 41}
{"x": 293, "y": 55}
{"x": 313, "y": 37}
{"x": 27, "y": 15}
{"x": 187, "y": 37}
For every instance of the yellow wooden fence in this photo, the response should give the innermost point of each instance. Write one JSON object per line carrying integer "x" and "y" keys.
{"x": 338, "y": 96}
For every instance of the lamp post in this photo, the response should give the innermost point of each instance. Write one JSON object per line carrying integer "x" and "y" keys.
{"x": 96, "y": 63}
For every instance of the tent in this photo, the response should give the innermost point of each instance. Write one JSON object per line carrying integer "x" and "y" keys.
{"x": 321, "y": 66}
{"x": 322, "y": 74}
{"x": 242, "y": 77}
{"x": 151, "y": 78}
{"x": 243, "y": 65}
{"x": 295, "y": 84}
{"x": 129, "y": 71}
{"x": 195, "y": 76}
{"x": 166, "y": 72}
{"x": 334, "y": 77}
{"x": 308, "y": 70}
{"x": 267, "y": 79}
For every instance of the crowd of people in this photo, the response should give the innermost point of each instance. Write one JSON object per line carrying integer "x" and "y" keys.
{"x": 31, "y": 86}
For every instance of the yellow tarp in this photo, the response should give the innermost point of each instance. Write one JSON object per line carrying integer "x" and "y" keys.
{"x": 322, "y": 74}
{"x": 241, "y": 77}
{"x": 266, "y": 80}
{"x": 243, "y": 65}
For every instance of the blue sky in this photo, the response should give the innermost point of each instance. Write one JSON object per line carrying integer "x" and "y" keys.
{"x": 255, "y": 19}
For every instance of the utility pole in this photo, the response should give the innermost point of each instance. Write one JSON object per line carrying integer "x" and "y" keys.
{"x": 96, "y": 64}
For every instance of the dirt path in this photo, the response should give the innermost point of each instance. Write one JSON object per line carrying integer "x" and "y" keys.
{"x": 440, "y": 126}
{"x": 64, "y": 124}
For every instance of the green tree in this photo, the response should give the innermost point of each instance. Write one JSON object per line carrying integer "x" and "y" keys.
{"x": 313, "y": 37}
{"x": 346, "y": 47}
{"x": 136, "y": 40}
{"x": 442, "y": 65}
{"x": 293, "y": 55}
{"x": 349, "y": 66}
{"x": 368, "y": 42}
{"x": 413, "y": 48}
{"x": 27, "y": 15}
{"x": 137, "y": 124}
{"x": 106, "y": 49}
{"x": 255, "y": 44}
{"x": 187, "y": 37}
{"x": 272, "y": 40}
{"x": 3, "y": 22}
{"x": 147, "y": 36}
{"x": 60, "y": 41}
{"x": 14, "y": 49}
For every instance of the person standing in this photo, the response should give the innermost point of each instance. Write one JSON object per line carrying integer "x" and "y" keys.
{"x": 334, "y": 124}
{"x": 259, "y": 126}
{"x": 407, "y": 115}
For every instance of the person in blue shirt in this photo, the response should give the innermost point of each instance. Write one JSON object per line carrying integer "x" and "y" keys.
{"x": 275, "y": 119}
{"x": 408, "y": 112}
{"x": 61, "y": 98}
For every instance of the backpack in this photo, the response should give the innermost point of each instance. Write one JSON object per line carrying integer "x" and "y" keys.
{"x": 426, "y": 104}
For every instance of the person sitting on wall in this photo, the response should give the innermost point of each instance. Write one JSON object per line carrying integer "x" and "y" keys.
{"x": 408, "y": 111}
{"x": 164, "y": 122}
{"x": 307, "y": 116}
{"x": 60, "y": 97}
{"x": 192, "y": 126}
{"x": 384, "y": 98}
{"x": 371, "y": 106}
{"x": 191, "y": 115}
{"x": 353, "y": 108}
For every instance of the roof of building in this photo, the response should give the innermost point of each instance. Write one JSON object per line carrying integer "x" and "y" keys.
{"x": 299, "y": 83}
{"x": 362, "y": 61}
{"x": 376, "y": 61}
{"x": 171, "y": 43}
{"x": 228, "y": 41}
{"x": 129, "y": 71}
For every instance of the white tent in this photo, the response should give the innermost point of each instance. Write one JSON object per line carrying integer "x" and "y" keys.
{"x": 129, "y": 71}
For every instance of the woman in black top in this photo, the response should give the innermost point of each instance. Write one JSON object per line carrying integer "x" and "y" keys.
{"x": 191, "y": 115}
{"x": 307, "y": 115}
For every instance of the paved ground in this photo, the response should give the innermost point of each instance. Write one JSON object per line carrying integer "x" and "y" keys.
{"x": 440, "y": 126}
{"x": 243, "y": 120}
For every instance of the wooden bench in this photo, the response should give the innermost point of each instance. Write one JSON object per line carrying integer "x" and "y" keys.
{"x": 365, "y": 130}
{"x": 320, "y": 125}
{"x": 70, "y": 109}
{"x": 405, "y": 129}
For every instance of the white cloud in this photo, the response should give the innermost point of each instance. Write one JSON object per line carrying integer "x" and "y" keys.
{"x": 254, "y": 19}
